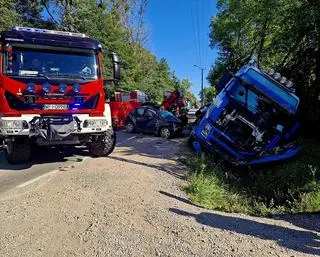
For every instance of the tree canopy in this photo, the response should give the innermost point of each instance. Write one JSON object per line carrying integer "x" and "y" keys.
{"x": 117, "y": 24}
{"x": 282, "y": 34}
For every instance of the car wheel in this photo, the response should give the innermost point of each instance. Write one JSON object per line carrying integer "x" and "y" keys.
{"x": 130, "y": 127}
{"x": 165, "y": 132}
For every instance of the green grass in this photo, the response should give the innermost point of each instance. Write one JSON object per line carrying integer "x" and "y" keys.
{"x": 283, "y": 188}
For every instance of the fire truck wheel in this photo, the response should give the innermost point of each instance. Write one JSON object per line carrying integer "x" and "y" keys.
{"x": 165, "y": 132}
{"x": 103, "y": 145}
{"x": 18, "y": 150}
{"x": 130, "y": 127}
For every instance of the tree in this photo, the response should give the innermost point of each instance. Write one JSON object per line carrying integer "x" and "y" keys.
{"x": 9, "y": 16}
{"x": 283, "y": 34}
{"x": 118, "y": 24}
{"x": 209, "y": 94}
{"x": 30, "y": 12}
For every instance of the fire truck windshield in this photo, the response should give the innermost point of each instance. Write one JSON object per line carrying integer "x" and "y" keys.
{"x": 51, "y": 63}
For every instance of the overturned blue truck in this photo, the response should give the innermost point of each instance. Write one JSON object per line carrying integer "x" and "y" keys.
{"x": 251, "y": 121}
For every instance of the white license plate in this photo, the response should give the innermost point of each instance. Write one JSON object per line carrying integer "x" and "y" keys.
{"x": 55, "y": 107}
{"x": 206, "y": 131}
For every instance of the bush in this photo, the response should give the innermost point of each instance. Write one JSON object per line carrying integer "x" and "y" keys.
{"x": 283, "y": 188}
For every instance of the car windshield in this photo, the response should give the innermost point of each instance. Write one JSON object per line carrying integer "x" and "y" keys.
{"x": 166, "y": 114}
{"x": 51, "y": 63}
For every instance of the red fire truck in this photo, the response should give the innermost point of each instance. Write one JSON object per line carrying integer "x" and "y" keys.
{"x": 123, "y": 104}
{"x": 51, "y": 92}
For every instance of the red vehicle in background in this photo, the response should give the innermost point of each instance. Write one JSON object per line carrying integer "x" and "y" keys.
{"x": 176, "y": 103}
{"x": 51, "y": 92}
{"x": 123, "y": 104}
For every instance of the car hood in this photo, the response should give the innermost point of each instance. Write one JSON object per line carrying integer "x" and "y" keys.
{"x": 172, "y": 119}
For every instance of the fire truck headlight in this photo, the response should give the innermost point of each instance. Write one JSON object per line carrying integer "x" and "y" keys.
{"x": 13, "y": 124}
{"x": 76, "y": 88}
{"x": 62, "y": 87}
{"x": 98, "y": 123}
{"x": 46, "y": 87}
{"x": 31, "y": 87}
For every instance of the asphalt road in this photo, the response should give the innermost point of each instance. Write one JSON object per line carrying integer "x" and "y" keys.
{"x": 44, "y": 161}
{"x": 47, "y": 160}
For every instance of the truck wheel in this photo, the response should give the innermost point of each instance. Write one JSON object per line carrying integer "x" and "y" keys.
{"x": 18, "y": 150}
{"x": 165, "y": 132}
{"x": 103, "y": 145}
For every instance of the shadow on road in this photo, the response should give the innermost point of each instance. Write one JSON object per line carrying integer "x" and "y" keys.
{"x": 309, "y": 221}
{"x": 179, "y": 198}
{"x": 154, "y": 148}
{"x": 150, "y": 146}
{"x": 301, "y": 241}
{"x": 168, "y": 167}
{"x": 46, "y": 155}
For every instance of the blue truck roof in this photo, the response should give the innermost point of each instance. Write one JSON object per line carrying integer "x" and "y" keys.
{"x": 271, "y": 88}
{"x": 50, "y": 38}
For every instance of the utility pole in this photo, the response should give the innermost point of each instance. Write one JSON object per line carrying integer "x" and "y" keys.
{"x": 202, "y": 93}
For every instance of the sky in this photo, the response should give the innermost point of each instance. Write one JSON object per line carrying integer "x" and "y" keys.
{"x": 179, "y": 32}
{"x": 178, "y": 29}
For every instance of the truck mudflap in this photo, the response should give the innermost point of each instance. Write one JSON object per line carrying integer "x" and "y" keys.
{"x": 54, "y": 127}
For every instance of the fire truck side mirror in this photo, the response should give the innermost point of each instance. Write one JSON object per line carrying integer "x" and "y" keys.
{"x": 116, "y": 66}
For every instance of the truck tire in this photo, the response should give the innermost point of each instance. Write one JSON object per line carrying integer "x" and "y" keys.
{"x": 103, "y": 145}
{"x": 18, "y": 150}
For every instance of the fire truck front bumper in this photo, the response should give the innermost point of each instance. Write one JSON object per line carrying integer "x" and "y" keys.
{"x": 53, "y": 127}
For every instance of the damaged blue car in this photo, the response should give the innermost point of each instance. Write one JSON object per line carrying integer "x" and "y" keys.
{"x": 252, "y": 120}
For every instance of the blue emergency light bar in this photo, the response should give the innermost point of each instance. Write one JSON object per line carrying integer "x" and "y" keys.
{"x": 47, "y": 31}
{"x": 34, "y": 36}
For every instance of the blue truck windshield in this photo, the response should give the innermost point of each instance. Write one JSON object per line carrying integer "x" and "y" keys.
{"x": 51, "y": 63}
{"x": 276, "y": 89}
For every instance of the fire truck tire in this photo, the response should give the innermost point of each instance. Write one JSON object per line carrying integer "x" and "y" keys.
{"x": 18, "y": 150}
{"x": 103, "y": 145}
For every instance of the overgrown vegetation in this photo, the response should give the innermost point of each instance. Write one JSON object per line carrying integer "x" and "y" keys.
{"x": 282, "y": 34}
{"x": 285, "y": 188}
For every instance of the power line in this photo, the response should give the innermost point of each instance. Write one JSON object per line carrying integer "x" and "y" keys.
{"x": 194, "y": 33}
{"x": 203, "y": 32}
{"x": 48, "y": 11}
{"x": 198, "y": 29}
{"x": 207, "y": 39}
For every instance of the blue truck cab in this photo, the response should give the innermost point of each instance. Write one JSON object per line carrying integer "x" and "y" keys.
{"x": 252, "y": 120}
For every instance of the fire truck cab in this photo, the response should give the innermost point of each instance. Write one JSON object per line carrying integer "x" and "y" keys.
{"x": 51, "y": 92}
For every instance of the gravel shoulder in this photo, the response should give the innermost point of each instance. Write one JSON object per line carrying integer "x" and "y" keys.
{"x": 131, "y": 204}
